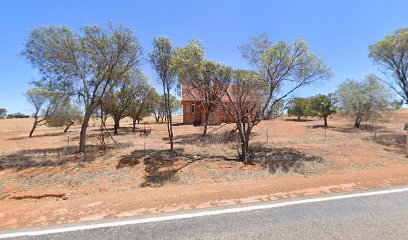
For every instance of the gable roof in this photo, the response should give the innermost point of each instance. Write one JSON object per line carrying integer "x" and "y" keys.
{"x": 190, "y": 94}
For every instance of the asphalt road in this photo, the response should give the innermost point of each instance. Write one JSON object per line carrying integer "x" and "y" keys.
{"x": 382, "y": 216}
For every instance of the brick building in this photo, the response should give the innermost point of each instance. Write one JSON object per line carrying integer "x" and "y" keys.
{"x": 194, "y": 114}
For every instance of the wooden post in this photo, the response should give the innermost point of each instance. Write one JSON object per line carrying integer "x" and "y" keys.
{"x": 68, "y": 141}
{"x": 267, "y": 136}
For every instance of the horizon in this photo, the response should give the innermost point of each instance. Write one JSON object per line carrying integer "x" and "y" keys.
{"x": 340, "y": 33}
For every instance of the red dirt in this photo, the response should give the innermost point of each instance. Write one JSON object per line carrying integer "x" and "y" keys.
{"x": 37, "y": 174}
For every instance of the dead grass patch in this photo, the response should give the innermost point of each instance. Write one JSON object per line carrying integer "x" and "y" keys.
{"x": 287, "y": 160}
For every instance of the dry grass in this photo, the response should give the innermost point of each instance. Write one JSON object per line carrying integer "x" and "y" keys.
{"x": 293, "y": 147}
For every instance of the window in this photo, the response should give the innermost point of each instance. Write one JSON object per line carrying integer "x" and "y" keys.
{"x": 193, "y": 108}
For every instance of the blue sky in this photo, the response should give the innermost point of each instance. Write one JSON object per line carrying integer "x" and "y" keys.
{"x": 338, "y": 31}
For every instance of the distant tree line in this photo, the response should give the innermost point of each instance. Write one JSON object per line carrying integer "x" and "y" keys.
{"x": 96, "y": 71}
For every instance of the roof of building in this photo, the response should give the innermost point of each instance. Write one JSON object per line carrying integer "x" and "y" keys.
{"x": 190, "y": 94}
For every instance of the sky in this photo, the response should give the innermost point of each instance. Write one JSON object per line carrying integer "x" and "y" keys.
{"x": 337, "y": 31}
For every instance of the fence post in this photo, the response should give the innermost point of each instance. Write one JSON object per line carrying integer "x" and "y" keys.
{"x": 267, "y": 136}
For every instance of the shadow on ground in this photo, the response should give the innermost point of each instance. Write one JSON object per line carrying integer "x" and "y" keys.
{"x": 53, "y": 134}
{"x": 395, "y": 140}
{"x": 50, "y": 157}
{"x": 161, "y": 166}
{"x": 287, "y": 160}
{"x": 320, "y": 126}
{"x": 300, "y": 120}
{"x": 199, "y": 138}
{"x": 362, "y": 128}
{"x": 210, "y": 138}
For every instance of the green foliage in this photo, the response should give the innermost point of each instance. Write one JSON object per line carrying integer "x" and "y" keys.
{"x": 85, "y": 64}
{"x": 391, "y": 54}
{"x": 201, "y": 79}
{"x": 299, "y": 107}
{"x": 17, "y": 115}
{"x": 65, "y": 115}
{"x": 37, "y": 97}
{"x": 161, "y": 59}
{"x": 3, "y": 113}
{"x": 363, "y": 99}
{"x": 142, "y": 101}
{"x": 323, "y": 106}
{"x": 284, "y": 67}
{"x": 244, "y": 91}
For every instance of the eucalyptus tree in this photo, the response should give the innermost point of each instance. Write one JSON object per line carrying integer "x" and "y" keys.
{"x": 161, "y": 58}
{"x": 299, "y": 107}
{"x": 37, "y": 97}
{"x": 3, "y": 113}
{"x": 117, "y": 101}
{"x": 159, "y": 107}
{"x": 391, "y": 54}
{"x": 142, "y": 102}
{"x": 86, "y": 64}
{"x": 243, "y": 90}
{"x": 284, "y": 67}
{"x": 362, "y": 99}
{"x": 46, "y": 104}
{"x": 197, "y": 78}
{"x": 65, "y": 116}
{"x": 323, "y": 106}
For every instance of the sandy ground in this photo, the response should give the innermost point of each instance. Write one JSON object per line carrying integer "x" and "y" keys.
{"x": 42, "y": 182}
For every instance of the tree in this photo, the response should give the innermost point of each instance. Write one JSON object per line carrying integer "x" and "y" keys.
{"x": 299, "y": 107}
{"x": 3, "y": 113}
{"x": 323, "y": 106}
{"x": 277, "y": 110}
{"x": 197, "y": 75}
{"x": 159, "y": 107}
{"x": 362, "y": 99}
{"x": 86, "y": 64}
{"x": 38, "y": 97}
{"x": 118, "y": 100}
{"x": 391, "y": 54}
{"x": 17, "y": 115}
{"x": 65, "y": 116}
{"x": 175, "y": 104}
{"x": 142, "y": 102}
{"x": 160, "y": 58}
{"x": 244, "y": 91}
{"x": 284, "y": 67}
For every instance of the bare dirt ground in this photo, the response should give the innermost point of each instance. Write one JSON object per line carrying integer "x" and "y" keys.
{"x": 42, "y": 180}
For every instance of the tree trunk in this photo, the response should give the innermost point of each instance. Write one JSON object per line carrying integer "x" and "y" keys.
{"x": 82, "y": 136}
{"x": 34, "y": 126}
{"x": 134, "y": 126}
{"x": 68, "y": 126}
{"x": 116, "y": 126}
{"x": 205, "y": 123}
{"x": 325, "y": 121}
{"x": 244, "y": 148}
{"x": 168, "y": 117}
{"x": 138, "y": 121}
{"x": 358, "y": 122}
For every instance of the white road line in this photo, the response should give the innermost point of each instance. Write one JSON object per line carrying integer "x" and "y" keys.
{"x": 198, "y": 214}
